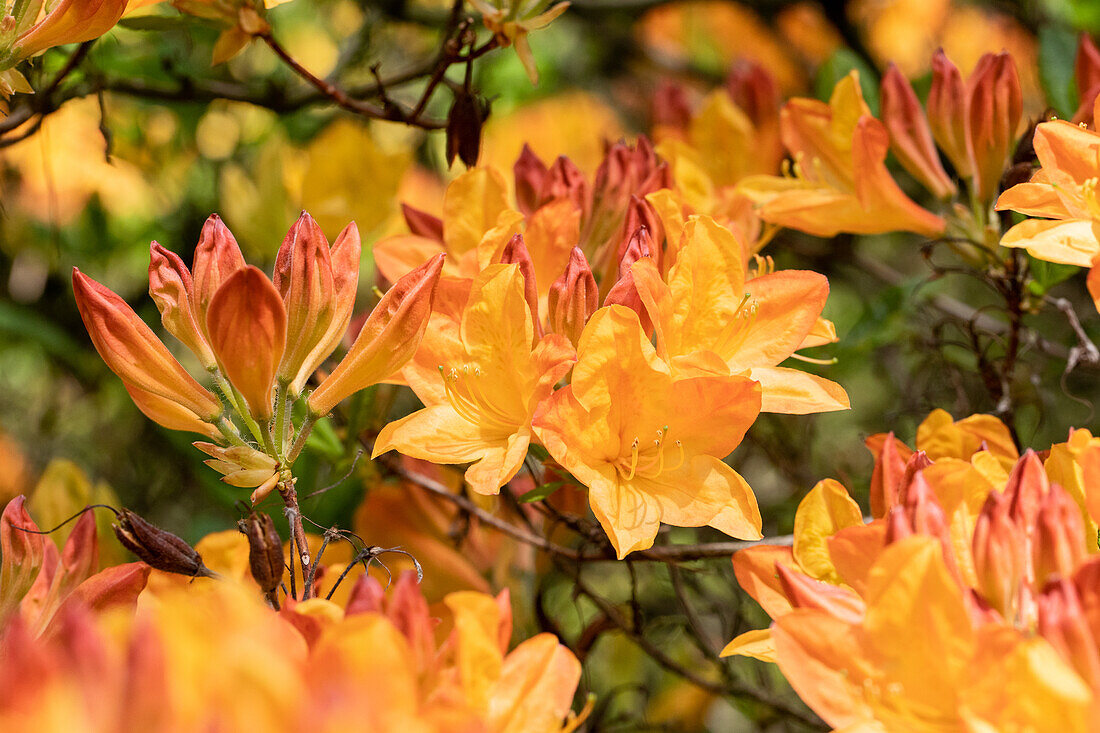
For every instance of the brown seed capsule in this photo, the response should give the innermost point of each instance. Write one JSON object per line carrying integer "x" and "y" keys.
{"x": 159, "y": 548}
{"x": 464, "y": 123}
{"x": 265, "y": 550}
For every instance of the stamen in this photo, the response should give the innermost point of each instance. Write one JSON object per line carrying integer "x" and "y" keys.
{"x": 633, "y": 459}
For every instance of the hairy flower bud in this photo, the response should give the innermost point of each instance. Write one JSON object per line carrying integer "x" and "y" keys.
{"x": 995, "y": 104}
{"x": 387, "y": 340}
{"x": 247, "y": 326}
{"x": 158, "y": 548}
{"x": 171, "y": 289}
{"x": 565, "y": 181}
{"x": 132, "y": 350}
{"x": 910, "y": 136}
{"x": 573, "y": 298}
{"x": 265, "y": 550}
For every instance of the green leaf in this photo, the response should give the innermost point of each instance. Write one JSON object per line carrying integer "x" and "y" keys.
{"x": 1045, "y": 275}
{"x": 837, "y": 67}
{"x": 1057, "y": 52}
{"x": 541, "y": 492}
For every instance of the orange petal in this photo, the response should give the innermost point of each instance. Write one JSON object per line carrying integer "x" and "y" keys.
{"x": 171, "y": 289}
{"x": 247, "y": 326}
{"x": 387, "y": 340}
{"x": 133, "y": 352}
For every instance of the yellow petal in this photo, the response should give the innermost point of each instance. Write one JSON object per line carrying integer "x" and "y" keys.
{"x": 824, "y": 511}
{"x": 757, "y": 644}
{"x": 1068, "y": 242}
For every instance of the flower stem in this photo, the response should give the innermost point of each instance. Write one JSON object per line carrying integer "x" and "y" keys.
{"x": 300, "y": 442}
{"x": 282, "y": 398}
{"x": 297, "y": 532}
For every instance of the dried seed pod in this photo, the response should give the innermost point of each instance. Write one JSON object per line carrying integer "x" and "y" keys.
{"x": 265, "y": 550}
{"x": 159, "y": 548}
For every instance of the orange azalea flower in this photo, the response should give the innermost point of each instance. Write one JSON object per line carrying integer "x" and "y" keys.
{"x": 649, "y": 445}
{"x": 839, "y": 180}
{"x": 492, "y": 381}
{"x": 709, "y": 319}
{"x": 995, "y": 563}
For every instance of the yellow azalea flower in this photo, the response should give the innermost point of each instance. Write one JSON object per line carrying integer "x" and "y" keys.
{"x": 477, "y": 222}
{"x": 839, "y": 180}
{"x": 492, "y": 381}
{"x": 1063, "y": 192}
{"x": 648, "y": 445}
{"x": 511, "y": 20}
{"x": 708, "y": 318}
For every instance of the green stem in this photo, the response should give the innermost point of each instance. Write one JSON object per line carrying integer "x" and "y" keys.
{"x": 281, "y": 401}
{"x": 300, "y": 442}
{"x": 229, "y": 431}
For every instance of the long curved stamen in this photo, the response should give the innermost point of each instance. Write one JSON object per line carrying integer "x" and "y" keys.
{"x": 633, "y": 459}
{"x": 680, "y": 462}
{"x": 472, "y": 407}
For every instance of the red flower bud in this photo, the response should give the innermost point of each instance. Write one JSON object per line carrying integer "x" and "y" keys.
{"x": 947, "y": 102}
{"x": 217, "y": 256}
{"x": 999, "y": 562}
{"x": 515, "y": 253}
{"x": 886, "y": 479}
{"x": 529, "y": 172}
{"x": 573, "y": 298}
{"x": 1058, "y": 544}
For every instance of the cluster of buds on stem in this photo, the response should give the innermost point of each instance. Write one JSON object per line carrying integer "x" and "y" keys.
{"x": 259, "y": 340}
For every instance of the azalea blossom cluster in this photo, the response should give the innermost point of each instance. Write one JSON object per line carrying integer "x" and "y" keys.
{"x": 686, "y": 319}
{"x": 974, "y": 558}
{"x": 131, "y": 648}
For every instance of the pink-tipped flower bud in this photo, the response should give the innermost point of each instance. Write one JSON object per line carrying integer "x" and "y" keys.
{"x": 910, "y": 136}
{"x": 1086, "y": 69}
{"x": 671, "y": 108}
{"x": 573, "y": 298}
{"x": 995, "y": 105}
{"x": 564, "y": 180}
{"x": 625, "y": 292}
{"x": 999, "y": 562}
{"x": 21, "y": 554}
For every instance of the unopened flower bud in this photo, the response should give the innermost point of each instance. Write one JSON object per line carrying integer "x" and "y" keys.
{"x": 573, "y": 298}
{"x": 910, "y": 136}
{"x": 1026, "y": 489}
{"x": 171, "y": 289}
{"x": 132, "y": 350}
{"x": 530, "y": 172}
{"x": 995, "y": 105}
{"x": 947, "y": 117}
{"x": 671, "y": 108}
{"x": 886, "y": 478}
{"x": 265, "y": 550}
{"x": 516, "y": 253}
{"x": 565, "y": 181}
{"x": 998, "y": 549}
{"x": 158, "y": 548}
{"x": 217, "y": 256}
{"x": 625, "y": 292}
{"x": 1058, "y": 544}
{"x": 805, "y": 592}
{"x": 1063, "y": 624}
{"x": 21, "y": 554}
